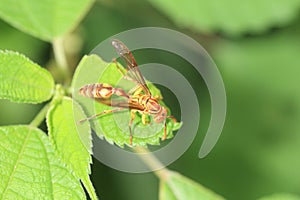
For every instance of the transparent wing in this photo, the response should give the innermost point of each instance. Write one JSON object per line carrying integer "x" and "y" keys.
{"x": 121, "y": 103}
{"x": 134, "y": 71}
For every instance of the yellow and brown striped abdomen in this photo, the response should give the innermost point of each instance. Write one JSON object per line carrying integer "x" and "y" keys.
{"x": 97, "y": 90}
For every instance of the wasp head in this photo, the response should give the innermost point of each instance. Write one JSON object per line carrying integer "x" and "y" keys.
{"x": 161, "y": 115}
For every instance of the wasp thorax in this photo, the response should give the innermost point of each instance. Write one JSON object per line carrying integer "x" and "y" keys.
{"x": 153, "y": 106}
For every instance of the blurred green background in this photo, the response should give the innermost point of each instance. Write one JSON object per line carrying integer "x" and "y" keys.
{"x": 256, "y": 46}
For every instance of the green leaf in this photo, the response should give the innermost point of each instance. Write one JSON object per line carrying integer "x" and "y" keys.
{"x": 29, "y": 168}
{"x": 15, "y": 40}
{"x": 44, "y": 19}
{"x": 72, "y": 141}
{"x": 21, "y": 80}
{"x": 114, "y": 127}
{"x": 262, "y": 79}
{"x": 178, "y": 187}
{"x": 269, "y": 62}
{"x": 166, "y": 192}
{"x": 281, "y": 197}
{"x": 232, "y": 17}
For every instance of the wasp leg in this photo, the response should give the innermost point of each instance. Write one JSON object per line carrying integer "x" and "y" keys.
{"x": 136, "y": 90}
{"x": 132, "y": 113}
{"x": 122, "y": 72}
{"x": 145, "y": 119}
{"x": 102, "y": 113}
{"x": 165, "y": 126}
{"x": 118, "y": 67}
{"x": 165, "y": 131}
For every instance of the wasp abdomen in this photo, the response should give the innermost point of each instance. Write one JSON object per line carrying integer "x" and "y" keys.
{"x": 97, "y": 90}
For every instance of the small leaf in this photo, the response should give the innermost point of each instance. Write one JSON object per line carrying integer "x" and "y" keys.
{"x": 281, "y": 197}
{"x": 29, "y": 168}
{"x": 21, "y": 80}
{"x": 232, "y": 17}
{"x": 114, "y": 127}
{"x": 178, "y": 187}
{"x": 44, "y": 19}
{"x": 72, "y": 141}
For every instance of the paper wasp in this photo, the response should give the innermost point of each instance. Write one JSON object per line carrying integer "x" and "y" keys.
{"x": 138, "y": 99}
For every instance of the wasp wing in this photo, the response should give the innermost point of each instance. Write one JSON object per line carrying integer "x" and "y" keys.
{"x": 121, "y": 103}
{"x": 134, "y": 71}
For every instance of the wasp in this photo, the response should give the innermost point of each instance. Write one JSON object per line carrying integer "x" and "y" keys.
{"x": 138, "y": 99}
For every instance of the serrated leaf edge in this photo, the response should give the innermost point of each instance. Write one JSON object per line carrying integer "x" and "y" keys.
{"x": 22, "y": 56}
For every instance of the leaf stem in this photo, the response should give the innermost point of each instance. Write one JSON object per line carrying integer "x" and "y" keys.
{"x": 153, "y": 163}
{"x": 59, "y": 93}
{"x": 60, "y": 57}
{"x": 40, "y": 116}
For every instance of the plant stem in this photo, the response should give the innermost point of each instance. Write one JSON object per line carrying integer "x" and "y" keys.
{"x": 58, "y": 95}
{"x": 60, "y": 57}
{"x": 153, "y": 163}
{"x": 40, "y": 116}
